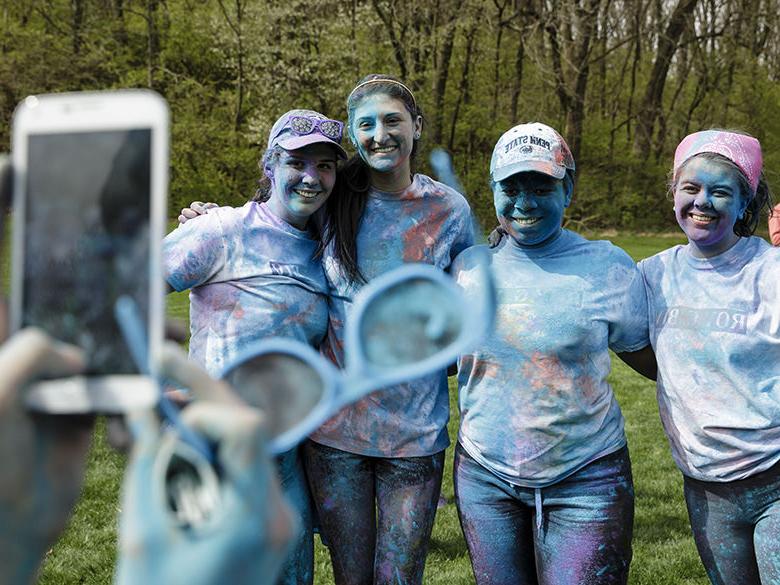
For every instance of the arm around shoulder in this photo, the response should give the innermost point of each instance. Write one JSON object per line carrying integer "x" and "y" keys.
{"x": 641, "y": 361}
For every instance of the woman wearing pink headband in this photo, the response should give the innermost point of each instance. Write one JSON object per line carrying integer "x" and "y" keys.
{"x": 715, "y": 327}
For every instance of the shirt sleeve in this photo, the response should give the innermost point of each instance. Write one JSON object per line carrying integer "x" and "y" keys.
{"x": 195, "y": 252}
{"x": 460, "y": 264}
{"x": 628, "y": 321}
{"x": 464, "y": 236}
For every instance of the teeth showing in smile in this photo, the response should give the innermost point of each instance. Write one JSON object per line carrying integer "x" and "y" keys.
{"x": 306, "y": 194}
{"x": 383, "y": 149}
{"x": 701, "y": 218}
{"x": 527, "y": 220}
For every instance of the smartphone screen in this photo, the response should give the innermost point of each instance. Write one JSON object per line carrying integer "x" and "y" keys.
{"x": 87, "y": 238}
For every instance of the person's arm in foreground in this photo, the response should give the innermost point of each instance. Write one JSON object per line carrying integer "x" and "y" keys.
{"x": 43, "y": 457}
{"x": 246, "y": 529}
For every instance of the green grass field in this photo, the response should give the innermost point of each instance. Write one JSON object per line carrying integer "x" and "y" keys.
{"x": 664, "y": 553}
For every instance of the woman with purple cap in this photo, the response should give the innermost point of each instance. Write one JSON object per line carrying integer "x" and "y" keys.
{"x": 253, "y": 272}
{"x": 543, "y": 480}
{"x": 714, "y": 307}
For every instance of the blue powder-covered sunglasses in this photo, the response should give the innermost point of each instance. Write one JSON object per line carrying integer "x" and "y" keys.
{"x": 405, "y": 324}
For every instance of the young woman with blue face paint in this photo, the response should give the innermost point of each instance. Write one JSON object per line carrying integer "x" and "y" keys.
{"x": 253, "y": 273}
{"x": 375, "y": 469}
{"x": 714, "y": 308}
{"x": 543, "y": 478}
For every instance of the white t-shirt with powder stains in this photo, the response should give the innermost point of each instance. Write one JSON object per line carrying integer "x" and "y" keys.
{"x": 715, "y": 329}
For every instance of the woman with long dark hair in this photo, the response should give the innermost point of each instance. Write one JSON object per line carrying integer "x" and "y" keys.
{"x": 375, "y": 469}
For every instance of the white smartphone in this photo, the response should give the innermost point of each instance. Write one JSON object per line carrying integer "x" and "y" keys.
{"x": 89, "y": 206}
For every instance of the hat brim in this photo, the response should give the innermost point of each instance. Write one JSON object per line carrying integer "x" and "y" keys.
{"x": 296, "y": 142}
{"x": 546, "y": 168}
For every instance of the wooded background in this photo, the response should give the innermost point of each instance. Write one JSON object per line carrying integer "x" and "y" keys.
{"x": 622, "y": 80}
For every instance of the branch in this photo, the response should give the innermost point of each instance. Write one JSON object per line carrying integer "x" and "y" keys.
{"x": 610, "y": 50}
{"x": 227, "y": 18}
{"x": 50, "y": 21}
{"x": 397, "y": 48}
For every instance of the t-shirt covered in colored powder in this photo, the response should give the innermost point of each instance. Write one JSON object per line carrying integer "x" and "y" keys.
{"x": 535, "y": 404}
{"x": 428, "y": 222}
{"x": 715, "y": 328}
{"x": 252, "y": 276}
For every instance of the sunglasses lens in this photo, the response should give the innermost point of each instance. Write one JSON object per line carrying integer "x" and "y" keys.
{"x": 282, "y": 385}
{"x": 301, "y": 125}
{"x": 409, "y": 322}
{"x": 331, "y": 129}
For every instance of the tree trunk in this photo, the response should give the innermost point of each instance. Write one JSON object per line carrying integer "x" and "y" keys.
{"x": 77, "y": 24}
{"x": 517, "y": 81}
{"x": 497, "y": 56}
{"x": 120, "y": 27}
{"x": 442, "y": 74}
{"x": 463, "y": 94}
{"x": 398, "y": 48}
{"x": 652, "y": 102}
{"x": 571, "y": 93}
{"x": 152, "y": 42}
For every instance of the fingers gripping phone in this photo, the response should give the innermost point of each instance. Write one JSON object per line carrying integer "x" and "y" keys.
{"x": 90, "y": 180}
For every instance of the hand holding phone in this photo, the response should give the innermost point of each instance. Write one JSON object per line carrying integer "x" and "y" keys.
{"x": 43, "y": 458}
{"x": 182, "y": 522}
{"x": 89, "y": 207}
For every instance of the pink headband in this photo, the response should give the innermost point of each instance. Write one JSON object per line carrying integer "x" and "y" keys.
{"x": 743, "y": 151}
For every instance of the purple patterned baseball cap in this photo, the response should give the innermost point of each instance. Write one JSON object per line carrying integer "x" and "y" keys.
{"x": 530, "y": 147}
{"x": 298, "y": 128}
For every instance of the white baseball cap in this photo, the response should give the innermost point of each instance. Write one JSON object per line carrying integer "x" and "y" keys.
{"x": 530, "y": 147}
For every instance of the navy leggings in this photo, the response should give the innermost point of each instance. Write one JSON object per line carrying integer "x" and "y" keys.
{"x": 376, "y": 514}
{"x": 736, "y": 526}
{"x": 298, "y": 568}
{"x": 574, "y": 532}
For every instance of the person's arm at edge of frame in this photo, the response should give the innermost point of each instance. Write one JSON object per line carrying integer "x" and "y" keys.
{"x": 643, "y": 361}
{"x": 774, "y": 226}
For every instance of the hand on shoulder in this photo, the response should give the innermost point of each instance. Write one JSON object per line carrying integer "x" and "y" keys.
{"x": 195, "y": 209}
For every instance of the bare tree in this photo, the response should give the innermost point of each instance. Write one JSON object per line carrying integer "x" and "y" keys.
{"x": 650, "y": 108}
{"x": 571, "y": 26}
